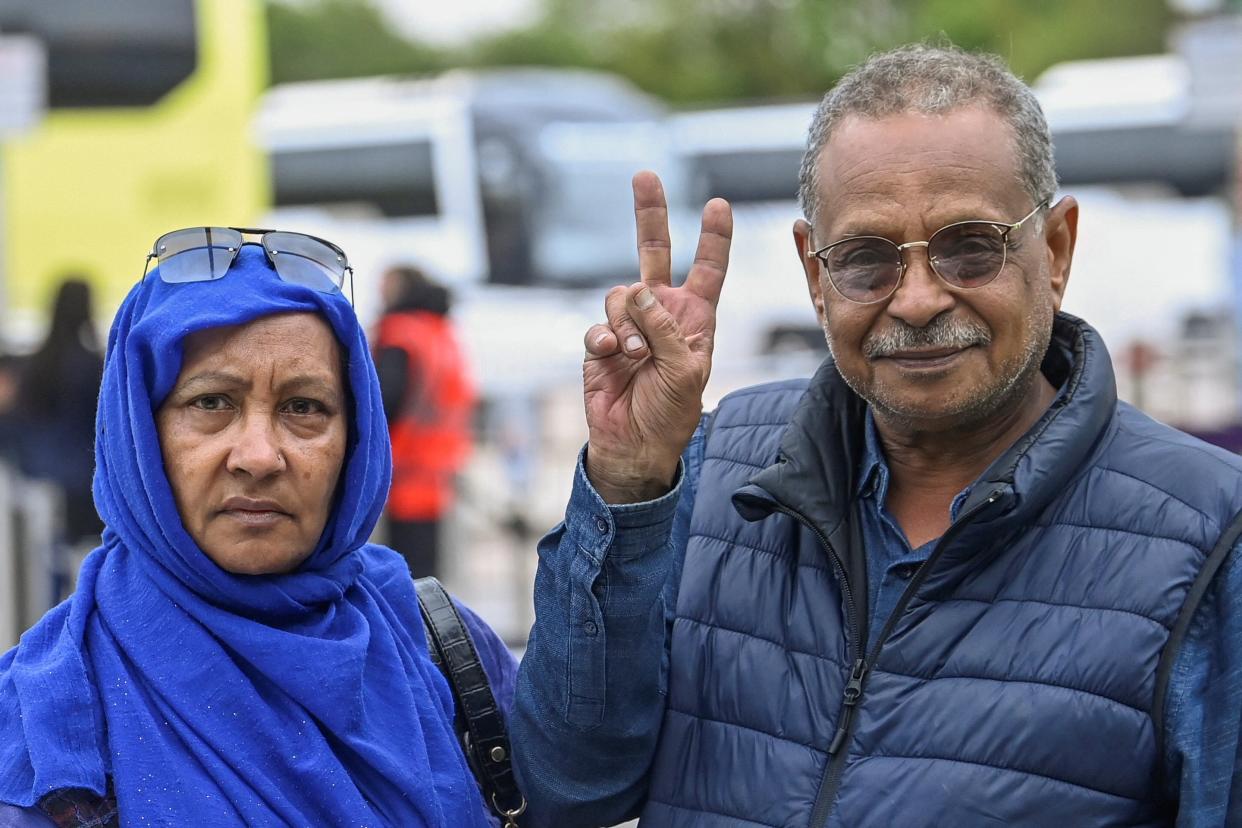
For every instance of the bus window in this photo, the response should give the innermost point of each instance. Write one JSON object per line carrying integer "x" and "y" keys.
{"x": 743, "y": 175}
{"x": 119, "y": 53}
{"x": 745, "y": 154}
{"x": 508, "y": 186}
{"x": 390, "y": 180}
{"x": 150, "y": 105}
{"x": 583, "y": 217}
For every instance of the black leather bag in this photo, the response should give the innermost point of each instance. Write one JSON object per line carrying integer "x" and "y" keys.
{"x": 479, "y": 725}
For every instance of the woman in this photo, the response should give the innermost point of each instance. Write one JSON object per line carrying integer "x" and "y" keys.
{"x": 56, "y": 405}
{"x": 235, "y": 652}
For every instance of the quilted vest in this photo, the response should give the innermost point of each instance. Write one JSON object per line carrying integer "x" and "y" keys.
{"x": 1016, "y": 682}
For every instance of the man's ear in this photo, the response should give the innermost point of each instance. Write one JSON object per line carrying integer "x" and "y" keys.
{"x": 1060, "y": 236}
{"x": 810, "y": 265}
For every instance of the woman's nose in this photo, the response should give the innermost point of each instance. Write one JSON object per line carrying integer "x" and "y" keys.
{"x": 257, "y": 451}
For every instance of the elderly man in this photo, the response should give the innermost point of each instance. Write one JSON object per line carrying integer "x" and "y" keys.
{"x": 948, "y": 581}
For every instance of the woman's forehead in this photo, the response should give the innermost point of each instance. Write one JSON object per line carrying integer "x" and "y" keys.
{"x": 283, "y": 339}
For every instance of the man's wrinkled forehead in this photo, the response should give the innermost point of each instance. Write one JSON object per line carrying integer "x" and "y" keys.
{"x": 966, "y": 155}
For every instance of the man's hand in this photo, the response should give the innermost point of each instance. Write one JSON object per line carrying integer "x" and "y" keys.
{"x": 646, "y": 368}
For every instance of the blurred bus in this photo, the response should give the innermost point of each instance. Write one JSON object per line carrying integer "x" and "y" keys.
{"x": 515, "y": 177}
{"x": 148, "y": 129}
{"x": 750, "y": 155}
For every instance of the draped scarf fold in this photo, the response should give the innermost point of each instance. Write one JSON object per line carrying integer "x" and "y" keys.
{"x": 218, "y": 699}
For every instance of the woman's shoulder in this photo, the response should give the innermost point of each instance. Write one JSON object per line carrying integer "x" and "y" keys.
{"x": 67, "y": 808}
{"x": 389, "y": 572}
{"x": 12, "y": 816}
{"x": 81, "y": 808}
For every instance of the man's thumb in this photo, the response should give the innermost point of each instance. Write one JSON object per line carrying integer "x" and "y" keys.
{"x": 663, "y": 334}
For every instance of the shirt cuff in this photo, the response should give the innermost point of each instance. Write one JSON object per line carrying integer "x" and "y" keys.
{"x": 619, "y": 530}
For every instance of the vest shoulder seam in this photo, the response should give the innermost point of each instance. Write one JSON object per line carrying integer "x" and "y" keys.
{"x": 698, "y": 622}
{"x": 1142, "y": 711}
{"x": 1118, "y": 529}
{"x": 737, "y": 725}
{"x": 723, "y": 459}
{"x": 1023, "y": 771}
{"x": 798, "y": 385}
{"x": 1216, "y": 527}
{"x": 783, "y": 556}
{"x": 1002, "y": 600}
{"x": 782, "y": 423}
{"x": 1196, "y": 445}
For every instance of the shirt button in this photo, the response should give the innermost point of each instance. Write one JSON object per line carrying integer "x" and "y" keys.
{"x": 601, "y": 525}
{"x": 905, "y": 571}
{"x": 589, "y": 628}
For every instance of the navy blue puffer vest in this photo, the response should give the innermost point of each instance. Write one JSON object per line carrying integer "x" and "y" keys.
{"x": 1015, "y": 683}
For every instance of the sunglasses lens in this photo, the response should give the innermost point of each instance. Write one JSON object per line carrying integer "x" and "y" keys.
{"x": 306, "y": 261}
{"x": 198, "y": 254}
{"x": 864, "y": 269}
{"x": 970, "y": 254}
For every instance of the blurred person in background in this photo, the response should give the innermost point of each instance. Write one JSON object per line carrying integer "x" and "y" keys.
{"x": 236, "y": 653}
{"x": 11, "y": 369}
{"x": 948, "y": 581}
{"x": 428, "y": 400}
{"x": 55, "y": 407}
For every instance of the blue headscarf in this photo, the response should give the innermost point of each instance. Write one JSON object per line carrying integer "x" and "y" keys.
{"x": 211, "y": 698}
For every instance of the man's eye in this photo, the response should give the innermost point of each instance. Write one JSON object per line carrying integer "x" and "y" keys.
{"x": 211, "y": 402}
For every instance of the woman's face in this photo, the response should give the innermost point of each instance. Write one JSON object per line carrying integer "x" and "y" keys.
{"x": 253, "y": 436}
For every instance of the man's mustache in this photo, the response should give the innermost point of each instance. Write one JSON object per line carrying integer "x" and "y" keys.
{"x": 942, "y": 332}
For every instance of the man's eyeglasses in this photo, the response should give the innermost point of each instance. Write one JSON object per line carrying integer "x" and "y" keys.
{"x": 201, "y": 254}
{"x": 967, "y": 254}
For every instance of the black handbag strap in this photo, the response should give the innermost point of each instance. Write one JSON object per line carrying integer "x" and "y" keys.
{"x": 478, "y": 722}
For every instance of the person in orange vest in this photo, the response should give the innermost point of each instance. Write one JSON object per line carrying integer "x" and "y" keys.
{"x": 428, "y": 398}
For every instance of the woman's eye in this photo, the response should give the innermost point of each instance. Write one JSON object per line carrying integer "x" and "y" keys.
{"x": 304, "y": 407}
{"x": 211, "y": 402}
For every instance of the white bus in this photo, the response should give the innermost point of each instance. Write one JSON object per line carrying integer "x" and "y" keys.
{"x": 509, "y": 177}
{"x": 766, "y": 327}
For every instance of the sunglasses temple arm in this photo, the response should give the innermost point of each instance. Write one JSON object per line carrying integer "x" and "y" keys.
{"x": 147, "y": 265}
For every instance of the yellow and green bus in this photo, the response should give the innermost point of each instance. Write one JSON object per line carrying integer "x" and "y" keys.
{"x": 147, "y": 130}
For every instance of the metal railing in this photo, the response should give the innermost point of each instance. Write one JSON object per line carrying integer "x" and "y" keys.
{"x": 38, "y": 568}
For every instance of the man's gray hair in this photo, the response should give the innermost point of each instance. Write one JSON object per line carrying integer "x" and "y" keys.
{"x": 930, "y": 80}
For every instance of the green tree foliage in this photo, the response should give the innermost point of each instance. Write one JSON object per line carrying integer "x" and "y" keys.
{"x": 340, "y": 39}
{"x": 698, "y": 52}
{"x": 1033, "y": 36}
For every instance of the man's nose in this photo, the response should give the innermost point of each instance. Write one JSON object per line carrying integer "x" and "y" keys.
{"x": 922, "y": 295}
{"x": 257, "y": 451}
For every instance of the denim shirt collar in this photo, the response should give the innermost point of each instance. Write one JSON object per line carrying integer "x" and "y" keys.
{"x": 873, "y": 470}
{"x": 873, "y": 473}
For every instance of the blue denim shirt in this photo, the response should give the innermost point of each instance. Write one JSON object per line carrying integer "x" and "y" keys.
{"x": 891, "y": 563}
{"x": 591, "y": 687}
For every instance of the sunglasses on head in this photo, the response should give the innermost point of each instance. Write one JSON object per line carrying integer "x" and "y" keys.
{"x": 202, "y": 254}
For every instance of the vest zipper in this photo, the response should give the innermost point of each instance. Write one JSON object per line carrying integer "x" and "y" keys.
{"x": 853, "y": 692}
{"x": 861, "y": 666}
{"x": 855, "y": 650}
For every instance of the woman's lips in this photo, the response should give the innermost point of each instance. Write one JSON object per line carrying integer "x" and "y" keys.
{"x": 254, "y": 511}
{"x": 255, "y": 518}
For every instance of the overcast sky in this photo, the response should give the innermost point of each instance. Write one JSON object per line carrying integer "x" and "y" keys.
{"x": 451, "y": 21}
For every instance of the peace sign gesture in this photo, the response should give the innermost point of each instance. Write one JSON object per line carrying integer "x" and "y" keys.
{"x": 646, "y": 368}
